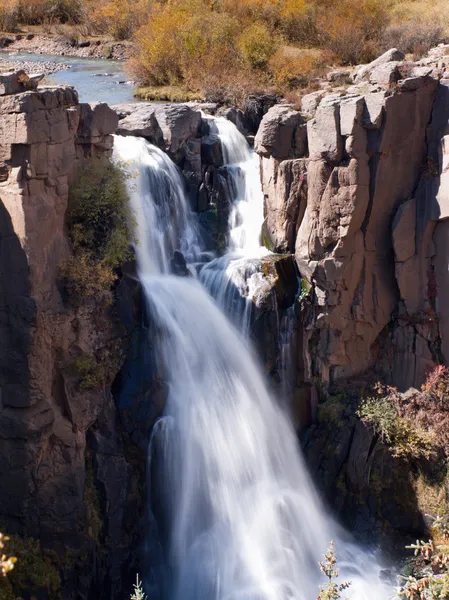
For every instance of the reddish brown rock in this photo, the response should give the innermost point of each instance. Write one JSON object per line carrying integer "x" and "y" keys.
{"x": 45, "y": 416}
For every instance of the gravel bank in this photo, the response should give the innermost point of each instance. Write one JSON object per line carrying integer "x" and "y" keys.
{"x": 64, "y": 46}
{"x": 7, "y": 63}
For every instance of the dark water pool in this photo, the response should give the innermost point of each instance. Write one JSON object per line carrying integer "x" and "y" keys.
{"x": 96, "y": 80}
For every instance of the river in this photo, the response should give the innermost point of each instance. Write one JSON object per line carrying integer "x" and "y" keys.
{"x": 96, "y": 80}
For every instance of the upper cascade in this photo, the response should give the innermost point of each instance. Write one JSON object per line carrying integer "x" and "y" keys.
{"x": 165, "y": 223}
{"x": 247, "y": 212}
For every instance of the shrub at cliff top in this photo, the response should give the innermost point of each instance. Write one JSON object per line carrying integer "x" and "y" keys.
{"x": 99, "y": 223}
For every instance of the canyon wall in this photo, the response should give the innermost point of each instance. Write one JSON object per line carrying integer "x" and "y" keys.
{"x": 61, "y": 455}
{"x": 355, "y": 186}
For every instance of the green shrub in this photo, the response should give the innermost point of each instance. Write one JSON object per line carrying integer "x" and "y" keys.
{"x": 97, "y": 371}
{"x": 429, "y": 577}
{"x": 332, "y": 410}
{"x": 34, "y": 573}
{"x": 257, "y": 45}
{"x": 90, "y": 372}
{"x": 99, "y": 223}
{"x": 406, "y": 439}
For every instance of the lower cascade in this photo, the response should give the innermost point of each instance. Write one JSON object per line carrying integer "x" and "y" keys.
{"x": 240, "y": 515}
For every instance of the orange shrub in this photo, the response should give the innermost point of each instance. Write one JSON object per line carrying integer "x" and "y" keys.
{"x": 35, "y": 12}
{"x": 121, "y": 18}
{"x": 159, "y": 58}
{"x": 351, "y": 29}
{"x": 9, "y": 14}
{"x": 297, "y": 21}
{"x": 178, "y": 46}
{"x": 265, "y": 10}
{"x": 292, "y": 68}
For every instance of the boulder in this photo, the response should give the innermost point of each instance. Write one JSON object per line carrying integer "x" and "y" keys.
{"x": 170, "y": 127}
{"x": 282, "y": 134}
{"x": 96, "y": 120}
{"x": 410, "y": 84}
{"x": 141, "y": 121}
{"x": 211, "y": 150}
{"x": 385, "y": 74}
{"x": 236, "y": 116}
{"x": 339, "y": 77}
{"x": 285, "y": 204}
{"x": 178, "y": 123}
{"x": 351, "y": 114}
{"x": 277, "y": 284}
{"x": 323, "y": 132}
{"x": 310, "y": 102}
{"x": 391, "y": 55}
{"x": 14, "y": 83}
{"x": 373, "y": 113}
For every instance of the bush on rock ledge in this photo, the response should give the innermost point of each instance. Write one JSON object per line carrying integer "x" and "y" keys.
{"x": 99, "y": 223}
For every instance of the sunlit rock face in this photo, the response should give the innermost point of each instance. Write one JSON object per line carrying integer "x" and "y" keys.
{"x": 359, "y": 199}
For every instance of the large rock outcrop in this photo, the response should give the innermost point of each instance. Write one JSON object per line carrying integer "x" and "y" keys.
{"x": 62, "y": 459}
{"x": 363, "y": 201}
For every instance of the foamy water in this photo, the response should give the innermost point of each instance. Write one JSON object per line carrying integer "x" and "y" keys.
{"x": 244, "y": 519}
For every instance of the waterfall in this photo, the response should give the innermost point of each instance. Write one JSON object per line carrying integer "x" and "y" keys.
{"x": 165, "y": 222}
{"x": 232, "y": 279}
{"x": 243, "y": 519}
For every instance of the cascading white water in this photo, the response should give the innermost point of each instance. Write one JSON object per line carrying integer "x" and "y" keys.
{"x": 164, "y": 223}
{"x": 231, "y": 278}
{"x": 244, "y": 519}
{"x": 247, "y": 213}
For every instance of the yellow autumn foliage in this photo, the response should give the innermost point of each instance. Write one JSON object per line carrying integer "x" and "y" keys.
{"x": 196, "y": 45}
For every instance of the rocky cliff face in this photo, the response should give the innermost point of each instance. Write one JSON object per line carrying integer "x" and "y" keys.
{"x": 355, "y": 186}
{"x": 62, "y": 460}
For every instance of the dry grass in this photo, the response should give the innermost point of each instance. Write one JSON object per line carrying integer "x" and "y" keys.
{"x": 422, "y": 12}
{"x": 167, "y": 93}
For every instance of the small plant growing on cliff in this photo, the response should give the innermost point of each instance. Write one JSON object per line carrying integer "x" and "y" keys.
{"x": 6, "y": 562}
{"x": 430, "y": 572}
{"x": 331, "y": 590}
{"x": 405, "y": 437}
{"x": 89, "y": 371}
{"x": 99, "y": 222}
{"x": 36, "y": 574}
{"x": 138, "y": 593}
{"x": 414, "y": 425}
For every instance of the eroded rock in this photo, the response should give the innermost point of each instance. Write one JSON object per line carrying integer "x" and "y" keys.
{"x": 281, "y": 134}
{"x": 391, "y": 55}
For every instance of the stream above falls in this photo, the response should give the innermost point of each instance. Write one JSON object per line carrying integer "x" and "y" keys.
{"x": 95, "y": 79}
